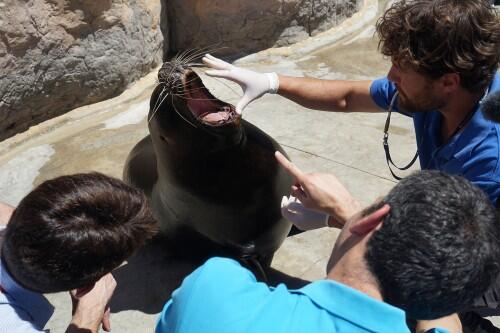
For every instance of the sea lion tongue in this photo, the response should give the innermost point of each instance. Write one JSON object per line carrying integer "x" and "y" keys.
{"x": 208, "y": 110}
{"x": 216, "y": 117}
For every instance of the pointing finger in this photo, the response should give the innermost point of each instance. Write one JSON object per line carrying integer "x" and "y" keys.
{"x": 289, "y": 167}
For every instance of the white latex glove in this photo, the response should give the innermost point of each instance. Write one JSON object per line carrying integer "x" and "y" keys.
{"x": 253, "y": 84}
{"x": 302, "y": 217}
{"x": 321, "y": 192}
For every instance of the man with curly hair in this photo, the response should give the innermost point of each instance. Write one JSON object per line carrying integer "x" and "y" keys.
{"x": 445, "y": 56}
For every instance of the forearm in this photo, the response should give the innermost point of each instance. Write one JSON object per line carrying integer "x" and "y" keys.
{"x": 85, "y": 321}
{"x": 328, "y": 95}
{"x": 339, "y": 215}
{"x": 6, "y": 211}
{"x": 75, "y": 328}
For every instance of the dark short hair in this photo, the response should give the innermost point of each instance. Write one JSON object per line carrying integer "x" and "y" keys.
{"x": 438, "y": 248}
{"x": 435, "y": 37}
{"x": 70, "y": 231}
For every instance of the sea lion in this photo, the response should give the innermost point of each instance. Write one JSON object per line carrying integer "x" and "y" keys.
{"x": 214, "y": 184}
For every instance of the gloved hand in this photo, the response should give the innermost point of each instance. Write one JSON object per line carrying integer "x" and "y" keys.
{"x": 321, "y": 192}
{"x": 302, "y": 217}
{"x": 253, "y": 84}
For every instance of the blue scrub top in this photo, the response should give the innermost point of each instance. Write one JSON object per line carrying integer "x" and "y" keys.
{"x": 221, "y": 296}
{"x": 21, "y": 310}
{"x": 474, "y": 153}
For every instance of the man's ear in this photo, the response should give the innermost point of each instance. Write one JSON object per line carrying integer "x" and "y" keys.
{"x": 450, "y": 81}
{"x": 370, "y": 221}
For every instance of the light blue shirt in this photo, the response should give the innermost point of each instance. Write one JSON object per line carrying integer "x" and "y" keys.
{"x": 21, "y": 310}
{"x": 473, "y": 153}
{"x": 221, "y": 296}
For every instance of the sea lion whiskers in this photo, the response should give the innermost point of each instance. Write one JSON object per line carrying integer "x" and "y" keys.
{"x": 177, "y": 111}
{"x": 198, "y": 52}
{"x": 185, "y": 54}
{"x": 158, "y": 103}
{"x": 180, "y": 84}
{"x": 163, "y": 77}
{"x": 166, "y": 81}
{"x": 186, "y": 92}
{"x": 189, "y": 55}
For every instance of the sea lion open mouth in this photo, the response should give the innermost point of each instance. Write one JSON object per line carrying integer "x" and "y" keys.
{"x": 205, "y": 107}
{"x": 186, "y": 87}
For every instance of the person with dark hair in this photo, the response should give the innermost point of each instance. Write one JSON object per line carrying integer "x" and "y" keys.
{"x": 426, "y": 250}
{"x": 69, "y": 233}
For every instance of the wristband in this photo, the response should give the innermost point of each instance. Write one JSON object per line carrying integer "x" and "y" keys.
{"x": 274, "y": 82}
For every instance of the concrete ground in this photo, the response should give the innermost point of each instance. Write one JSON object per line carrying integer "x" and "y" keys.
{"x": 98, "y": 138}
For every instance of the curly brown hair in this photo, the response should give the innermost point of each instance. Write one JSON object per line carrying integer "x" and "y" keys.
{"x": 435, "y": 37}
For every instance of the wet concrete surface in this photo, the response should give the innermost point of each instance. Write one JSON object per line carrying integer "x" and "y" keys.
{"x": 99, "y": 137}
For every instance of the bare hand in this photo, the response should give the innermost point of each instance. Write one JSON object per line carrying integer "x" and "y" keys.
{"x": 6, "y": 211}
{"x": 90, "y": 306}
{"x": 321, "y": 192}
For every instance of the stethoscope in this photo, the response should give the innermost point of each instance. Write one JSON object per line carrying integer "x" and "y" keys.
{"x": 385, "y": 142}
{"x": 386, "y": 135}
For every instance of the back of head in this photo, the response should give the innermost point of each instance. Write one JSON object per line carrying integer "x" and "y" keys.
{"x": 438, "y": 248}
{"x": 70, "y": 231}
{"x": 435, "y": 37}
{"x": 491, "y": 107}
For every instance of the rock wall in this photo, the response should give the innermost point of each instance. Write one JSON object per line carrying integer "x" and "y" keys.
{"x": 56, "y": 55}
{"x": 242, "y": 26}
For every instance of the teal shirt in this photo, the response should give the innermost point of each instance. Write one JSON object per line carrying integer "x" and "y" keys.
{"x": 221, "y": 296}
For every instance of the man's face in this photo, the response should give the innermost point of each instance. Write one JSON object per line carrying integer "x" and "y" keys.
{"x": 417, "y": 93}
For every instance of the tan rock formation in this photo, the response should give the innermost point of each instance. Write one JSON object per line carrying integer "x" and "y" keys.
{"x": 243, "y": 27}
{"x": 56, "y": 55}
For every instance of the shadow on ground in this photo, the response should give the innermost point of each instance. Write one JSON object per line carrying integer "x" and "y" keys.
{"x": 147, "y": 281}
